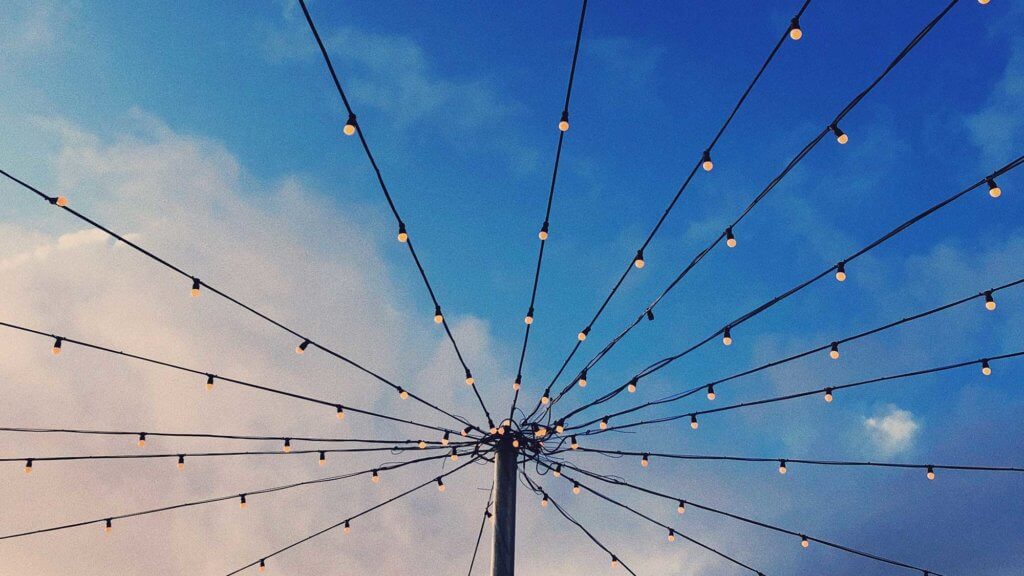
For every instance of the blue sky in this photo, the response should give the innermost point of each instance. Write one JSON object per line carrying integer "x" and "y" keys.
{"x": 211, "y": 131}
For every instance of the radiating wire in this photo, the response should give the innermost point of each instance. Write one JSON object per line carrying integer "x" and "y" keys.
{"x": 209, "y": 436}
{"x": 483, "y": 524}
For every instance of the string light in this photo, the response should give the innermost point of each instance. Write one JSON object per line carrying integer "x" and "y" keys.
{"x": 469, "y": 378}
{"x": 557, "y": 472}
{"x": 833, "y": 352}
{"x": 455, "y": 455}
{"x": 375, "y": 477}
{"x": 583, "y": 379}
{"x": 794, "y": 29}
{"x": 142, "y": 439}
{"x": 403, "y": 235}
{"x": 841, "y": 136}
{"x": 403, "y": 393}
{"x": 560, "y": 426}
{"x": 573, "y": 443}
{"x": 323, "y": 458}
{"x": 711, "y": 392}
{"x": 604, "y": 423}
{"x": 59, "y": 201}
{"x": 727, "y": 336}
{"x": 350, "y": 125}
{"x": 544, "y": 501}
{"x": 263, "y": 566}
{"x": 985, "y": 368}
{"x": 241, "y": 501}
{"x": 990, "y": 302}
{"x": 195, "y": 287}
{"x": 650, "y": 315}
{"x": 543, "y": 234}
{"x": 730, "y": 238}
{"x": 828, "y": 395}
{"x": 982, "y": 2}
{"x": 465, "y": 431}
{"x": 422, "y": 445}
{"x": 671, "y": 535}
{"x": 518, "y": 383}
{"x": 445, "y": 439}
{"x": 541, "y": 432}
{"x": 301, "y": 348}
{"x": 705, "y": 161}
{"x": 438, "y": 317}
{"x": 108, "y": 525}
{"x": 287, "y": 445}
{"x": 546, "y": 397}
{"x": 583, "y": 334}
{"x": 575, "y": 487}
{"x": 993, "y": 189}
{"x": 563, "y": 124}
{"x": 631, "y": 387}
{"x": 56, "y": 345}
{"x": 693, "y": 421}
{"x": 782, "y": 467}
{"x": 681, "y": 508}
{"x": 181, "y": 461}
{"x": 638, "y": 260}
{"x": 804, "y": 541}
{"x": 515, "y": 442}
{"x": 440, "y": 485}
{"x": 645, "y": 461}
{"x": 841, "y": 271}
{"x": 615, "y": 562}
{"x": 209, "y": 382}
{"x": 28, "y": 466}
{"x": 529, "y": 316}
{"x": 930, "y": 473}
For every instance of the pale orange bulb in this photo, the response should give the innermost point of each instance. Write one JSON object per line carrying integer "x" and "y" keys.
{"x": 796, "y": 33}
{"x": 349, "y": 129}
{"x": 62, "y": 201}
{"x": 563, "y": 125}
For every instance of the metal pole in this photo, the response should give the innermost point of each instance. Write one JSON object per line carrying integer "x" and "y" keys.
{"x": 503, "y": 547}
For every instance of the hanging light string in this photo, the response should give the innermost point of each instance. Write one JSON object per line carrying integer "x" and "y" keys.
{"x": 211, "y": 378}
{"x": 403, "y": 234}
{"x": 831, "y": 346}
{"x": 547, "y": 498}
{"x": 543, "y": 234}
{"x": 839, "y": 269}
{"x": 826, "y": 391}
{"x": 198, "y": 284}
{"x": 483, "y": 523}
{"x": 236, "y": 496}
{"x": 345, "y": 523}
{"x": 703, "y": 162}
{"x": 724, "y": 235}
{"x": 684, "y": 503}
{"x": 215, "y": 436}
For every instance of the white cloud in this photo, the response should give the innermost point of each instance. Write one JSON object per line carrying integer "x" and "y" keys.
{"x": 893, "y": 431}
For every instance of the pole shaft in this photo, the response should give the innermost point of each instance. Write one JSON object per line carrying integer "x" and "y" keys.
{"x": 503, "y": 548}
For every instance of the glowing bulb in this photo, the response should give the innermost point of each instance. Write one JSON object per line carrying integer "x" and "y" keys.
{"x": 287, "y": 445}
{"x": 323, "y": 458}
{"x": 583, "y": 379}
{"x": 727, "y": 336}
{"x": 563, "y": 124}
{"x": 350, "y": 125}
{"x": 730, "y": 238}
{"x": 638, "y": 260}
{"x": 209, "y": 382}
{"x": 465, "y": 432}
{"x": 559, "y": 427}
{"x": 195, "y": 287}
{"x": 794, "y": 29}
{"x": 61, "y": 201}
{"x": 544, "y": 501}
{"x": 543, "y": 234}
{"x": 263, "y": 566}
{"x": 541, "y": 432}
{"x": 557, "y": 472}
{"x": 631, "y": 387}
{"x": 440, "y": 485}
{"x": 402, "y": 393}
{"x": 501, "y": 431}
{"x": 28, "y": 466}
{"x": 841, "y": 136}
{"x": 804, "y": 541}
{"x": 445, "y": 439}
{"x": 693, "y": 421}
{"x": 833, "y": 352}
{"x": 181, "y": 461}
{"x": 985, "y": 368}
{"x": 615, "y": 562}
{"x": 438, "y": 317}
{"x": 375, "y": 477}
{"x": 583, "y": 334}
{"x": 573, "y": 443}
{"x": 403, "y": 236}
{"x": 529, "y": 317}
{"x": 575, "y": 487}
{"x": 993, "y": 189}
{"x": 706, "y": 162}
{"x": 604, "y": 423}
{"x": 711, "y": 392}
{"x": 515, "y": 442}
{"x": 681, "y": 508}
{"x": 301, "y": 348}
{"x": 56, "y": 345}
{"x": 671, "y": 535}
{"x": 142, "y": 439}
{"x": 983, "y": 2}
{"x": 422, "y": 445}
{"x": 931, "y": 473}
{"x": 782, "y": 466}
{"x": 518, "y": 383}
{"x": 990, "y": 303}
{"x": 108, "y": 526}
{"x": 828, "y": 395}
{"x": 347, "y": 528}
{"x": 241, "y": 501}
{"x": 841, "y": 272}
{"x": 469, "y": 378}
{"x": 455, "y": 455}
{"x": 645, "y": 461}
{"x": 546, "y": 398}
{"x": 339, "y": 412}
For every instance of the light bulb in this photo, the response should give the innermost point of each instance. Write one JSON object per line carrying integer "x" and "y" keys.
{"x": 727, "y": 336}
{"x": 693, "y": 421}
{"x": 28, "y": 466}
{"x": 804, "y": 541}
{"x": 543, "y": 234}
{"x": 990, "y": 303}
{"x": 544, "y": 501}
{"x": 983, "y": 2}
{"x": 645, "y": 461}
{"x": 631, "y": 387}
{"x": 833, "y": 352}
{"x": 323, "y": 458}
{"x": 563, "y": 124}
{"x": 841, "y": 136}
{"x": 557, "y": 472}
{"x": 241, "y": 501}
{"x": 465, "y": 432}
{"x": 287, "y": 445}
{"x": 375, "y": 477}
{"x": 515, "y": 442}
{"x": 730, "y": 238}
{"x": 142, "y": 439}
{"x": 671, "y": 535}
{"x": 402, "y": 393}
{"x": 181, "y": 461}
{"x": 350, "y": 125}
{"x": 541, "y": 432}
{"x": 575, "y": 487}
{"x": 403, "y": 235}
{"x": 546, "y": 398}
{"x": 931, "y": 473}
{"x": 422, "y": 445}
{"x": 985, "y": 368}
{"x": 438, "y": 317}
{"x": 559, "y": 427}
{"x": 681, "y": 508}
{"x": 469, "y": 378}
{"x": 347, "y": 528}
{"x": 56, "y": 345}
{"x": 604, "y": 423}
{"x": 301, "y": 348}
{"x": 794, "y": 29}
{"x": 195, "y": 287}
{"x": 263, "y": 566}
{"x": 108, "y": 526}
{"x": 573, "y": 443}
{"x": 828, "y": 395}
{"x": 993, "y": 189}
{"x": 529, "y": 317}
{"x": 711, "y": 392}
{"x": 501, "y": 431}
{"x": 440, "y": 485}
{"x": 705, "y": 161}
{"x": 583, "y": 379}
{"x": 445, "y": 439}
{"x": 518, "y": 383}
{"x": 455, "y": 455}
{"x": 339, "y": 412}
{"x": 209, "y": 383}
{"x": 638, "y": 260}
{"x": 841, "y": 272}
{"x": 615, "y": 562}
{"x": 583, "y": 334}
{"x": 61, "y": 201}
{"x": 782, "y": 467}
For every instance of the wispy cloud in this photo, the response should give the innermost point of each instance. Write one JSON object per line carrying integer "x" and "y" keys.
{"x": 892, "y": 431}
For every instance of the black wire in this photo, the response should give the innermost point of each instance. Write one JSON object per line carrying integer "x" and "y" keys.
{"x": 678, "y": 194}
{"x": 243, "y": 383}
{"x": 480, "y": 534}
{"x": 350, "y": 518}
{"x": 660, "y": 364}
{"x": 691, "y": 503}
{"x": 387, "y": 196}
{"x": 774, "y": 182}
{"x": 779, "y": 362}
{"x": 202, "y": 435}
{"x": 165, "y": 263}
{"x": 547, "y": 212}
